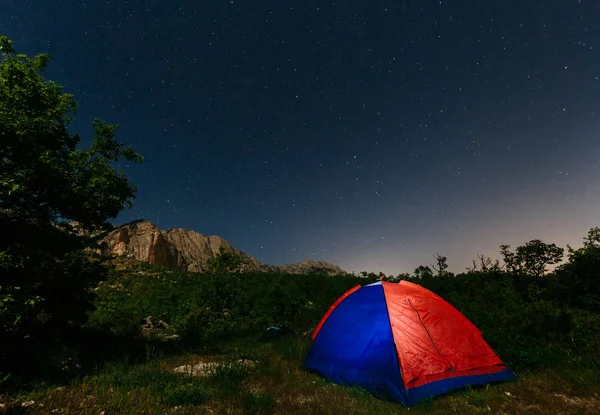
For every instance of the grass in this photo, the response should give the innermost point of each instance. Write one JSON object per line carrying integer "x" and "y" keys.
{"x": 134, "y": 374}
{"x": 276, "y": 384}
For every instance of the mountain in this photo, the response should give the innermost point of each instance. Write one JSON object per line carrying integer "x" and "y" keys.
{"x": 189, "y": 250}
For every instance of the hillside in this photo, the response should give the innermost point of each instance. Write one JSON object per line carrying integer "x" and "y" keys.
{"x": 152, "y": 325}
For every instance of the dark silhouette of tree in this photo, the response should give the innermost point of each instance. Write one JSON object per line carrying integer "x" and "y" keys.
{"x": 45, "y": 183}
{"x": 441, "y": 265}
{"x": 485, "y": 264}
{"x": 397, "y": 278}
{"x": 533, "y": 258}
{"x": 580, "y": 276}
{"x": 423, "y": 271}
{"x": 592, "y": 239}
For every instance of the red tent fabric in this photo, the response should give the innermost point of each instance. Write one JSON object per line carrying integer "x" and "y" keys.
{"x": 434, "y": 340}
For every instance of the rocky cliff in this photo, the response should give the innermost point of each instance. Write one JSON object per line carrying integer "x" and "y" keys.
{"x": 189, "y": 250}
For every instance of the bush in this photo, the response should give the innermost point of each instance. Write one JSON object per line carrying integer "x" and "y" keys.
{"x": 259, "y": 403}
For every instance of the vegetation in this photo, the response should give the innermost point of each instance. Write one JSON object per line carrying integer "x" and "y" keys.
{"x": 533, "y": 258}
{"x": 105, "y": 334}
{"x": 550, "y": 339}
{"x": 46, "y": 181}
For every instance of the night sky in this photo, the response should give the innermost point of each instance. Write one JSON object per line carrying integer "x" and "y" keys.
{"x": 370, "y": 134}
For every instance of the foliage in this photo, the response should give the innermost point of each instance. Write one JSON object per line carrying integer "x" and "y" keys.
{"x": 579, "y": 278}
{"x": 259, "y": 403}
{"x": 226, "y": 261}
{"x": 204, "y": 307}
{"x": 46, "y": 181}
{"x": 592, "y": 239}
{"x": 423, "y": 271}
{"x": 397, "y": 278}
{"x": 533, "y": 258}
{"x": 523, "y": 317}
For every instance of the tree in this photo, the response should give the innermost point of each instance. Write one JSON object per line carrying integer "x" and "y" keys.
{"x": 579, "y": 276}
{"x": 370, "y": 275}
{"x": 592, "y": 239}
{"x": 45, "y": 183}
{"x": 485, "y": 264}
{"x": 423, "y": 271}
{"x": 441, "y": 265}
{"x": 397, "y": 278}
{"x": 533, "y": 258}
{"x": 225, "y": 262}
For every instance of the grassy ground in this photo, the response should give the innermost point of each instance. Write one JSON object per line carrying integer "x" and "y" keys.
{"x": 276, "y": 384}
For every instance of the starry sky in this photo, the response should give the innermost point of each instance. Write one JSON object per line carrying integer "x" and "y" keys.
{"x": 371, "y": 134}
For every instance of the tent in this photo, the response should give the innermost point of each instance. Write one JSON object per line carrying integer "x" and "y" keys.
{"x": 402, "y": 342}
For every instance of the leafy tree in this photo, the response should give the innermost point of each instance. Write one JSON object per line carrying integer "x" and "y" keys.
{"x": 370, "y": 276}
{"x": 397, "y": 278}
{"x": 225, "y": 261}
{"x": 592, "y": 239}
{"x": 580, "y": 276}
{"x": 45, "y": 182}
{"x": 531, "y": 259}
{"x": 423, "y": 271}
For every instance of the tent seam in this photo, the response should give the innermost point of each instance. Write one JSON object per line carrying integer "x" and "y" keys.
{"x": 429, "y": 335}
{"x": 394, "y": 339}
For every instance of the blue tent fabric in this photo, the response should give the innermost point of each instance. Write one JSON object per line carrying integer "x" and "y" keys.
{"x": 421, "y": 393}
{"x": 355, "y": 345}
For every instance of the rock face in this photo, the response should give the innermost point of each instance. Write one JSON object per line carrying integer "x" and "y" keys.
{"x": 173, "y": 248}
{"x": 188, "y": 250}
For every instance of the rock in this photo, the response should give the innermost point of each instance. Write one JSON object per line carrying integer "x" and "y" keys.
{"x": 174, "y": 248}
{"x": 205, "y": 368}
{"x": 148, "y": 323}
{"x": 149, "y": 328}
{"x": 66, "y": 360}
{"x": 169, "y": 336}
{"x": 27, "y": 404}
{"x": 190, "y": 251}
